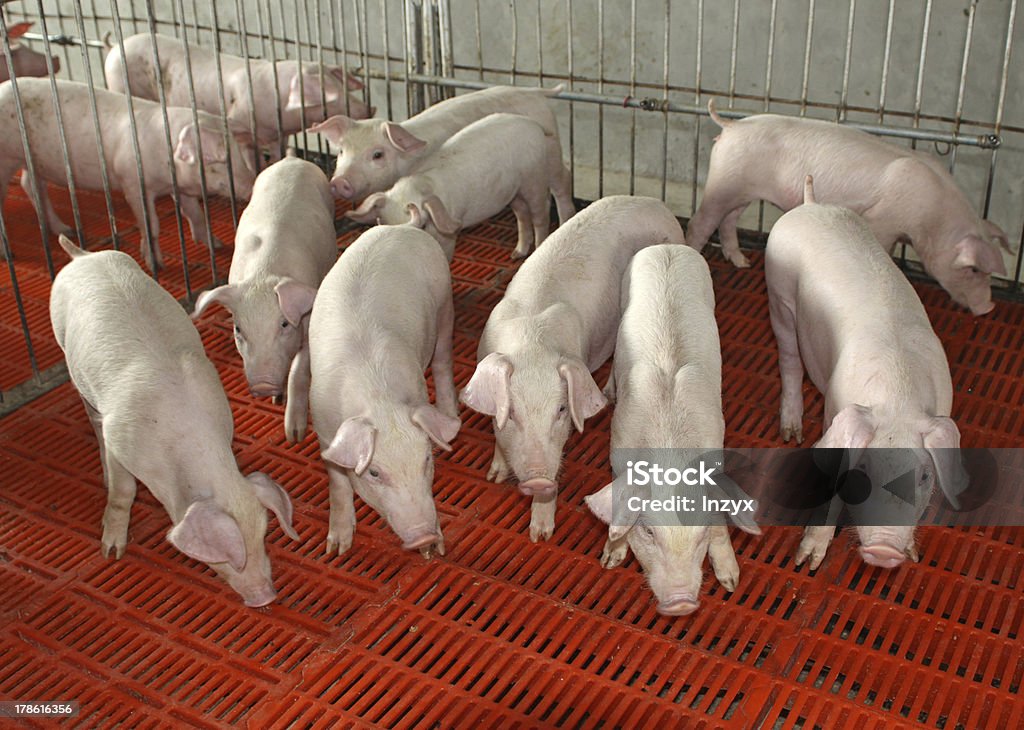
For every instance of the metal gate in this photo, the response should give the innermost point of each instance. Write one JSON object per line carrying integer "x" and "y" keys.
{"x": 937, "y": 74}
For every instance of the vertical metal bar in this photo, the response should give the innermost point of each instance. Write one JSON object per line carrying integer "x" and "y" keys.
{"x": 362, "y": 25}
{"x": 344, "y": 45}
{"x": 665, "y": 76}
{"x": 223, "y": 107}
{"x": 515, "y": 44}
{"x": 479, "y": 42}
{"x": 44, "y": 229}
{"x": 918, "y": 90}
{"x": 697, "y": 81}
{"x": 199, "y": 142}
{"x": 318, "y": 25}
{"x": 244, "y": 44}
{"x": 104, "y": 176}
{"x": 65, "y": 50}
{"x": 1001, "y": 104}
{"x": 260, "y": 29}
{"x": 282, "y": 142}
{"x": 769, "y": 61}
{"x": 968, "y": 39}
{"x": 175, "y": 195}
{"x": 845, "y": 93}
{"x": 62, "y": 135}
{"x": 5, "y": 247}
{"x": 429, "y": 49}
{"x": 732, "y": 54}
{"x": 447, "y": 47}
{"x": 807, "y": 58}
{"x": 884, "y": 83}
{"x": 298, "y": 61}
{"x": 572, "y": 106}
{"x": 387, "y": 60}
{"x": 600, "y": 90}
{"x": 413, "y": 59}
{"x": 277, "y": 81}
{"x": 540, "y": 48}
{"x": 632, "y": 92}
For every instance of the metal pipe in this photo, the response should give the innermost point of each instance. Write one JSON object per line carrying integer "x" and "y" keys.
{"x": 632, "y": 92}
{"x": 572, "y": 107}
{"x": 244, "y": 45}
{"x": 844, "y": 96}
{"x": 600, "y": 90}
{"x": 223, "y": 109}
{"x": 968, "y": 38}
{"x": 886, "y": 55}
{"x": 697, "y": 81}
{"x": 653, "y": 104}
{"x": 666, "y": 68}
{"x": 807, "y": 57}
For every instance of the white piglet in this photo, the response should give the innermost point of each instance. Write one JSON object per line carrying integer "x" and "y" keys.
{"x": 284, "y": 246}
{"x": 555, "y": 325}
{"x": 118, "y": 155}
{"x": 902, "y": 194}
{"x": 842, "y": 309}
{"x": 497, "y": 161}
{"x": 373, "y": 154}
{"x": 382, "y": 315}
{"x": 161, "y": 416}
{"x": 668, "y": 395}
{"x": 284, "y": 93}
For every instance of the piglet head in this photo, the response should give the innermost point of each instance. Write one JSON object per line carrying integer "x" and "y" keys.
{"x": 966, "y": 271}
{"x": 219, "y": 176}
{"x": 392, "y": 470}
{"x": 535, "y": 397}
{"x": 230, "y": 538}
{"x": 270, "y": 321}
{"x": 379, "y": 208}
{"x": 323, "y": 93}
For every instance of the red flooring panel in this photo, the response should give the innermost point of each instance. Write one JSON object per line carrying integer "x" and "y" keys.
{"x": 499, "y": 632}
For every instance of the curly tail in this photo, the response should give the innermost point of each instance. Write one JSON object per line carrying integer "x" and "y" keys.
{"x": 106, "y": 40}
{"x": 555, "y": 91}
{"x": 809, "y": 190}
{"x": 723, "y": 123}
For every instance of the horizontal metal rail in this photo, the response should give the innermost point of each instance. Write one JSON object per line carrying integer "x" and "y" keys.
{"x": 653, "y": 104}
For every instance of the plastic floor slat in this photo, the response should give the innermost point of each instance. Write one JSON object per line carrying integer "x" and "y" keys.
{"x": 500, "y": 632}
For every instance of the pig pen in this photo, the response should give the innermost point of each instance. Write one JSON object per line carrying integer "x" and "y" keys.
{"x": 502, "y": 632}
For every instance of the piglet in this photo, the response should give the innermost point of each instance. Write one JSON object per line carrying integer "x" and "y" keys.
{"x": 902, "y": 194}
{"x": 381, "y": 316}
{"x": 841, "y": 308}
{"x": 26, "y": 61}
{"x": 555, "y": 325}
{"x": 284, "y": 246}
{"x": 497, "y": 161}
{"x": 668, "y": 395}
{"x": 374, "y": 154}
{"x": 307, "y": 92}
{"x": 118, "y": 154}
{"x": 160, "y": 415}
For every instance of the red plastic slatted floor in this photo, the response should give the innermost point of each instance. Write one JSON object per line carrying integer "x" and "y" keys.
{"x": 502, "y": 632}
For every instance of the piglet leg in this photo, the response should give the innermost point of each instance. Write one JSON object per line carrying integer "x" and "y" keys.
{"x": 342, "y": 521}
{"x": 723, "y": 558}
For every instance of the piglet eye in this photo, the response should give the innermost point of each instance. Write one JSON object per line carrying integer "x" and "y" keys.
{"x": 648, "y": 531}
{"x": 378, "y": 154}
{"x": 373, "y": 473}
{"x": 284, "y": 323}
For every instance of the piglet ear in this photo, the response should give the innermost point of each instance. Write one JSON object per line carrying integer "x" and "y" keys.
{"x": 404, "y": 141}
{"x": 350, "y": 80}
{"x": 416, "y": 216}
{"x": 295, "y": 299}
{"x": 209, "y": 534}
{"x": 488, "y": 391}
{"x": 368, "y": 210}
{"x": 585, "y": 398}
{"x": 333, "y": 128}
{"x": 273, "y": 497}
{"x": 309, "y": 91}
{"x": 223, "y": 295}
{"x": 852, "y": 428}
{"x": 18, "y": 30}
{"x": 973, "y": 252}
{"x": 187, "y": 148}
{"x": 602, "y": 504}
{"x": 440, "y": 428}
{"x": 998, "y": 236}
{"x": 942, "y": 442}
{"x": 442, "y": 219}
{"x": 352, "y": 447}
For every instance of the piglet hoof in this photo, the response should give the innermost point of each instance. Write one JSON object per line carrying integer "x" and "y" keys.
{"x": 542, "y": 526}
{"x": 115, "y": 546}
{"x": 792, "y": 433}
{"x": 499, "y": 470}
{"x": 913, "y": 554}
{"x": 614, "y": 555}
{"x": 737, "y": 259}
{"x": 294, "y": 426}
{"x": 518, "y": 254}
{"x": 336, "y": 544}
{"x": 811, "y": 547}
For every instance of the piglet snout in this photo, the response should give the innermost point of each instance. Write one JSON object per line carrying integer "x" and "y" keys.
{"x": 882, "y": 555}
{"x": 537, "y": 487}
{"x": 342, "y": 188}
{"x": 421, "y": 541}
{"x": 265, "y": 389}
{"x": 262, "y": 597}
{"x": 679, "y": 604}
